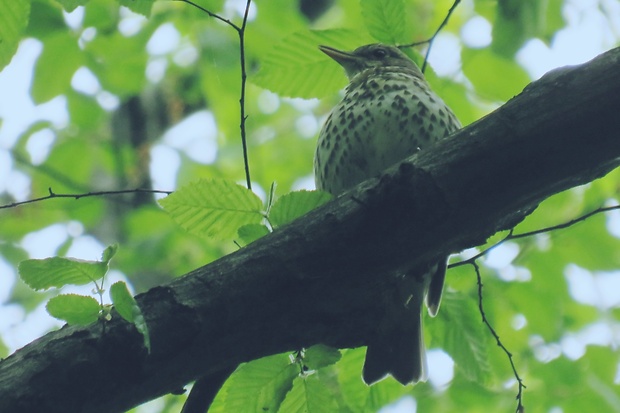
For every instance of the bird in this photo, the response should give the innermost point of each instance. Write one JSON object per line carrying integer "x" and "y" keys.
{"x": 388, "y": 113}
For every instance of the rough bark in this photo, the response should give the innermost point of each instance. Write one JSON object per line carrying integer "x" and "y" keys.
{"x": 313, "y": 281}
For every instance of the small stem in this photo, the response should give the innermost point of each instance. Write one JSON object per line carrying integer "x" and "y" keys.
{"x": 241, "y": 32}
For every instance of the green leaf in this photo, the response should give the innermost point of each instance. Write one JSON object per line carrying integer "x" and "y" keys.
{"x": 213, "y": 208}
{"x": 272, "y": 196}
{"x": 554, "y": 20}
{"x": 70, "y": 5}
{"x": 384, "y": 392}
{"x": 520, "y": 20}
{"x": 257, "y": 386}
{"x": 385, "y": 20}
{"x": 13, "y": 21}
{"x": 359, "y": 396}
{"x": 41, "y": 274}
{"x": 588, "y": 244}
{"x": 119, "y": 62}
{"x": 4, "y": 350}
{"x": 103, "y": 15}
{"x": 309, "y": 395}
{"x": 297, "y": 68}
{"x": 354, "y": 391}
{"x": 45, "y": 18}
{"x": 139, "y": 6}
{"x": 295, "y": 204}
{"x": 127, "y": 307}
{"x": 251, "y": 232}
{"x": 589, "y": 378}
{"x": 506, "y": 80}
{"x": 321, "y": 355}
{"x": 462, "y": 335}
{"x": 109, "y": 253}
{"x": 124, "y": 303}
{"x": 74, "y": 308}
{"x": 55, "y": 68}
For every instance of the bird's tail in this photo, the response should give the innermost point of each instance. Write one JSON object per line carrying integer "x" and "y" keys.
{"x": 398, "y": 345}
{"x": 399, "y": 349}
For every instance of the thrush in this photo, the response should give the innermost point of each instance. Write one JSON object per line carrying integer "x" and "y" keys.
{"x": 388, "y": 113}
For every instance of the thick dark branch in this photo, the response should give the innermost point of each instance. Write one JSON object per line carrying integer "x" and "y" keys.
{"x": 315, "y": 280}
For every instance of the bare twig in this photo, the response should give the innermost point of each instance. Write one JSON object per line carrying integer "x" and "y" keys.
{"x": 51, "y": 172}
{"x": 53, "y": 195}
{"x": 498, "y": 341}
{"x": 244, "y": 76}
{"x": 432, "y": 38}
{"x": 206, "y": 388}
{"x": 241, "y": 32}
{"x": 512, "y": 236}
{"x": 211, "y": 14}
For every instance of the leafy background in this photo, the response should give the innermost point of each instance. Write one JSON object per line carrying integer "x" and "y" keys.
{"x": 147, "y": 95}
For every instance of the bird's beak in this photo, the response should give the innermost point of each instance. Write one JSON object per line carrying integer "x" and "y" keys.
{"x": 338, "y": 55}
{"x": 350, "y": 62}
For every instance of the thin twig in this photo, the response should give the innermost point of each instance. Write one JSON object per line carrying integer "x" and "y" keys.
{"x": 482, "y": 253}
{"x": 244, "y": 76}
{"x": 53, "y": 195}
{"x": 432, "y": 38}
{"x": 498, "y": 341}
{"x": 241, "y": 32}
{"x": 512, "y": 236}
{"x": 211, "y": 14}
{"x": 568, "y": 223}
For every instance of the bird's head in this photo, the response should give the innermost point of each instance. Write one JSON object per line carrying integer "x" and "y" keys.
{"x": 368, "y": 57}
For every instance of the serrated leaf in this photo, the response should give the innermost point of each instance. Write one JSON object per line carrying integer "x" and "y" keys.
{"x": 257, "y": 386}
{"x": 354, "y": 391}
{"x": 295, "y": 204}
{"x": 74, "y": 308}
{"x": 309, "y": 395}
{"x": 128, "y": 308}
{"x": 45, "y": 18}
{"x": 463, "y": 336}
{"x": 297, "y": 68}
{"x": 13, "y": 21}
{"x": 41, "y": 274}
{"x": 321, "y": 355}
{"x": 251, "y": 232}
{"x": 385, "y": 20}
{"x": 213, "y": 208}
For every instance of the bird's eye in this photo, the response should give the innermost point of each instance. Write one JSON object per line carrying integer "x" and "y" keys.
{"x": 379, "y": 53}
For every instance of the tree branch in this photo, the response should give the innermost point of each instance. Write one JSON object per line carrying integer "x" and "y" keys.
{"x": 314, "y": 281}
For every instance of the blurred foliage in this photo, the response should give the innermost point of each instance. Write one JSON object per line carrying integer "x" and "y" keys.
{"x": 152, "y": 65}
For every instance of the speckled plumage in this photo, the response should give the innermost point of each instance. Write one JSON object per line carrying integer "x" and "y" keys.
{"x": 388, "y": 113}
